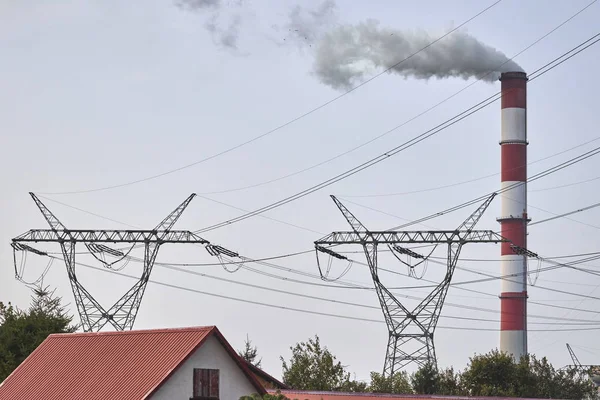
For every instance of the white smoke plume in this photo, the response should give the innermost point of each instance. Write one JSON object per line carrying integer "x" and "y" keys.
{"x": 347, "y": 54}
{"x": 225, "y": 35}
{"x": 199, "y": 4}
{"x": 306, "y": 26}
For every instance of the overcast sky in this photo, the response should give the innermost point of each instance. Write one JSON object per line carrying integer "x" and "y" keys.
{"x": 96, "y": 94}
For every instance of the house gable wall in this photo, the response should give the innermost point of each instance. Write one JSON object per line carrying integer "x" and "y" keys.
{"x": 233, "y": 382}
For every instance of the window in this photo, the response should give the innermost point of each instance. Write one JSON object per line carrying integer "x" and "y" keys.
{"x": 206, "y": 384}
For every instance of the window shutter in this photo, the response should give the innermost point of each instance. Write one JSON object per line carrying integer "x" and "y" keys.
{"x": 214, "y": 383}
{"x": 206, "y": 383}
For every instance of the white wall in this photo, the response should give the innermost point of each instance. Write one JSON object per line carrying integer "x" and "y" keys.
{"x": 232, "y": 382}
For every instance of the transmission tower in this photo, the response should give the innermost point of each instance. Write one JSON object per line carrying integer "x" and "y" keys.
{"x": 123, "y": 312}
{"x": 591, "y": 371}
{"x": 410, "y": 331}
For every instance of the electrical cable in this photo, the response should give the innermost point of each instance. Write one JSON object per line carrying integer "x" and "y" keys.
{"x": 452, "y": 185}
{"x": 457, "y": 118}
{"x": 348, "y": 285}
{"x": 535, "y": 177}
{"x": 567, "y": 214}
{"x": 301, "y": 116}
{"x": 506, "y": 277}
{"x": 314, "y": 284}
{"x": 314, "y": 276}
{"x": 305, "y": 311}
{"x": 567, "y": 185}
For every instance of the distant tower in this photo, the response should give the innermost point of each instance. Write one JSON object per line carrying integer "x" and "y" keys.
{"x": 513, "y": 220}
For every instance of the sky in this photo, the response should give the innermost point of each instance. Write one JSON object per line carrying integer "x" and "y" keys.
{"x": 101, "y": 94}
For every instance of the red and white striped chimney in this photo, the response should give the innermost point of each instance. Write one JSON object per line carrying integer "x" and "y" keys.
{"x": 513, "y": 221}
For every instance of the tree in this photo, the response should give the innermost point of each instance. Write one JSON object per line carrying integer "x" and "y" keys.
{"x": 492, "y": 374}
{"x": 313, "y": 367}
{"x": 277, "y": 396}
{"x": 498, "y": 374}
{"x": 397, "y": 383}
{"x": 250, "y": 353}
{"x": 450, "y": 383}
{"x": 22, "y": 331}
{"x": 426, "y": 380}
{"x": 354, "y": 386}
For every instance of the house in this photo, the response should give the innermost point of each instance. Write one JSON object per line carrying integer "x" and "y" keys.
{"x": 316, "y": 395}
{"x": 160, "y": 364}
{"x": 186, "y": 363}
{"x": 266, "y": 380}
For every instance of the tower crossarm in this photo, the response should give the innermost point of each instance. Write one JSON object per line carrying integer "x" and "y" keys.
{"x": 410, "y": 332}
{"x": 408, "y": 237}
{"x": 122, "y": 314}
{"x": 109, "y": 236}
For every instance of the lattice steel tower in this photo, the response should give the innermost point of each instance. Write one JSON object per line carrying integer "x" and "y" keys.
{"x": 410, "y": 331}
{"x": 122, "y": 314}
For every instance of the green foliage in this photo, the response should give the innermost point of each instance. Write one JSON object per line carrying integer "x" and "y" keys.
{"x": 449, "y": 383}
{"x": 354, "y": 386}
{"x": 250, "y": 353}
{"x": 426, "y": 380}
{"x": 22, "y": 331}
{"x": 313, "y": 367}
{"x": 498, "y": 374}
{"x": 492, "y": 374}
{"x": 277, "y": 396}
{"x": 398, "y": 383}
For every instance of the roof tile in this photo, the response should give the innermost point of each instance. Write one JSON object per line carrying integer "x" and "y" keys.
{"x": 105, "y": 365}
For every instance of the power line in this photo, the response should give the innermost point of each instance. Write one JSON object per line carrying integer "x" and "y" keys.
{"x": 575, "y": 321}
{"x": 262, "y": 262}
{"x": 508, "y": 276}
{"x": 347, "y": 285}
{"x": 567, "y": 185}
{"x": 415, "y": 140}
{"x": 567, "y": 214}
{"x": 263, "y": 216}
{"x": 535, "y": 177}
{"x": 287, "y": 269}
{"x": 290, "y": 122}
{"x": 299, "y": 310}
{"x": 452, "y": 185}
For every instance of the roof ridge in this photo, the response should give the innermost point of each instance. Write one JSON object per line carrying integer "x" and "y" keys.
{"x": 138, "y": 331}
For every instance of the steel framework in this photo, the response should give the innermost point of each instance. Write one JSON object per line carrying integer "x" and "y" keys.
{"x": 123, "y": 312}
{"x": 410, "y": 331}
{"x": 590, "y": 371}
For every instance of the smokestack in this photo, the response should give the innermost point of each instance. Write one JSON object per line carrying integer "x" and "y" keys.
{"x": 513, "y": 221}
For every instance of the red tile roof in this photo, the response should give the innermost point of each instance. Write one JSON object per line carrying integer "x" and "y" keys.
{"x": 127, "y": 365}
{"x": 316, "y": 395}
{"x": 266, "y": 377}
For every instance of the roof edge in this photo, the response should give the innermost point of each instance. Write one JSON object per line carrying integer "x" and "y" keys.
{"x": 136, "y": 331}
{"x": 240, "y": 362}
{"x": 260, "y": 371}
{"x": 213, "y": 331}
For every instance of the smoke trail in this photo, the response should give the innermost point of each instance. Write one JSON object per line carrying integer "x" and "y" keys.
{"x": 228, "y": 36}
{"x": 345, "y": 55}
{"x": 223, "y": 36}
{"x": 199, "y": 4}
{"x": 306, "y": 26}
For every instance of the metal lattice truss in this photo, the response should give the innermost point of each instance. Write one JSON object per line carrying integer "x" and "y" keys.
{"x": 410, "y": 330}
{"x": 123, "y": 312}
{"x": 104, "y": 236}
{"x": 589, "y": 371}
{"x": 408, "y": 237}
